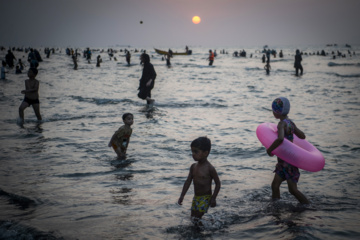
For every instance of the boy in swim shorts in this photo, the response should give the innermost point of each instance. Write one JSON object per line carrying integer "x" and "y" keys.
{"x": 121, "y": 138}
{"x": 31, "y": 95}
{"x": 285, "y": 171}
{"x": 202, "y": 173}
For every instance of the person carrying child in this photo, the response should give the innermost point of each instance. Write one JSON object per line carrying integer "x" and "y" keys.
{"x": 285, "y": 171}
{"x": 121, "y": 138}
{"x": 31, "y": 95}
{"x": 202, "y": 173}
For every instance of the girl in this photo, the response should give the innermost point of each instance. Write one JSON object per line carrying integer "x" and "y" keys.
{"x": 285, "y": 171}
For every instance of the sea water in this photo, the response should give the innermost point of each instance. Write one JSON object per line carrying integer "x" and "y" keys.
{"x": 60, "y": 180}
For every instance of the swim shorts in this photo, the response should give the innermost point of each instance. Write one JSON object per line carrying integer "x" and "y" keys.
{"x": 201, "y": 203}
{"x": 31, "y": 101}
{"x": 287, "y": 171}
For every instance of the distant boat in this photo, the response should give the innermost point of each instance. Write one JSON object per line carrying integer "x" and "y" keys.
{"x": 162, "y": 52}
{"x": 347, "y": 45}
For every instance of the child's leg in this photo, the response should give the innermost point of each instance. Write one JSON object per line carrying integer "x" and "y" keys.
{"x": 196, "y": 216}
{"x": 275, "y": 186}
{"x": 120, "y": 154}
{"x": 36, "y": 108}
{"x": 294, "y": 191}
{"x": 22, "y": 107}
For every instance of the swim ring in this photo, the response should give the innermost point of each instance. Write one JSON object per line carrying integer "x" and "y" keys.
{"x": 299, "y": 153}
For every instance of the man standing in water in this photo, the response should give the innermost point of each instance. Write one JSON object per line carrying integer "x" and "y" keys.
{"x": 211, "y": 57}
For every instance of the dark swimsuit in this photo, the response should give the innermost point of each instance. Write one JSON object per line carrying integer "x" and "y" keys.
{"x": 31, "y": 101}
{"x": 283, "y": 169}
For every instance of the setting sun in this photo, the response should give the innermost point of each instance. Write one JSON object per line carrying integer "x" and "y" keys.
{"x": 196, "y": 19}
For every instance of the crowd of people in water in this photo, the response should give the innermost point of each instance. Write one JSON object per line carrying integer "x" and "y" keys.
{"x": 200, "y": 147}
{"x": 147, "y": 81}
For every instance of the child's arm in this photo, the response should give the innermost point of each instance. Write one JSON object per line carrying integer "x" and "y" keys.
{"x": 111, "y": 140}
{"x": 299, "y": 133}
{"x": 279, "y": 140}
{"x": 215, "y": 176}
{"x": 35, "y": 89}
{"x": 186, "y": 185}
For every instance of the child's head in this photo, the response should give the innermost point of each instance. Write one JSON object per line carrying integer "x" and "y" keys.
{"x": 281, "y": 106}
{"x": 128, "y": 118}
{"x": 3, "y": 63}
{"x": 32, "y": 72}
{"x": 200, "y": 148}
{"x": 202, "y": 143}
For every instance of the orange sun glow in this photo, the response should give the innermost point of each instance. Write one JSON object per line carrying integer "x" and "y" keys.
{"x": 196, "y": 19}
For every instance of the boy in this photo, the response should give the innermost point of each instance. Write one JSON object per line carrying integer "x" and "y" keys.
{"x": 120, "y": 139}
{"x": 202, "y": 173}
{"x": 31, "y": 95}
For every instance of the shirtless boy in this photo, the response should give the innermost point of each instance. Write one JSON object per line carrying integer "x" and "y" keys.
{"x": 202, "y": 173}
{"x": 31, "y": 95}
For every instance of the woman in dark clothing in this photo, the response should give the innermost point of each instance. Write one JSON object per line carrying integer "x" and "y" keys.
{"x": 147, "y": 80}
{"x": 297, "y": 64}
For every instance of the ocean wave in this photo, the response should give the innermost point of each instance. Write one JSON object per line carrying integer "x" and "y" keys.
{"x": 14, "y": 230}
{"x": 101, "y": 101}
{"x": 191, "y": 105}
{"x": 21, "y": 201}
{"x": 347, "y": 75}
{"x": 332, "y": 64}
{"x": 253, "y": 69}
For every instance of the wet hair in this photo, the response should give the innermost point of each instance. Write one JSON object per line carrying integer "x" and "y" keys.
{"x": 125, "y": 115}
{"x": 34, "y": 70}
{"x": 202, "y": 143}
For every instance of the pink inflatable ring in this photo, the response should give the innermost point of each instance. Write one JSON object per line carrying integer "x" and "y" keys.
{"x": 299, "y": 153}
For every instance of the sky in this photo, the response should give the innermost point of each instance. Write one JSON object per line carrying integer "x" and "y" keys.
{"x": 168, "y": 23}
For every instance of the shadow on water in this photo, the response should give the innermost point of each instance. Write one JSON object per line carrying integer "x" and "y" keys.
{"x": 20, "y": 201}
{"x": 14, "y": 230}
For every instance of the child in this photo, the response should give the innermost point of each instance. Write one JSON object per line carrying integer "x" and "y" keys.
{"x": 17, "y": 71}
{"x": 285, "y": 171}
{"x": 31, "y": 95}
{"x": 98, "y": 61}
{"x": 3, "y": 71}
{"x": 202, "y": 173}
{"x": 21, "y": 65}
{"x": 120, "y": 139}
